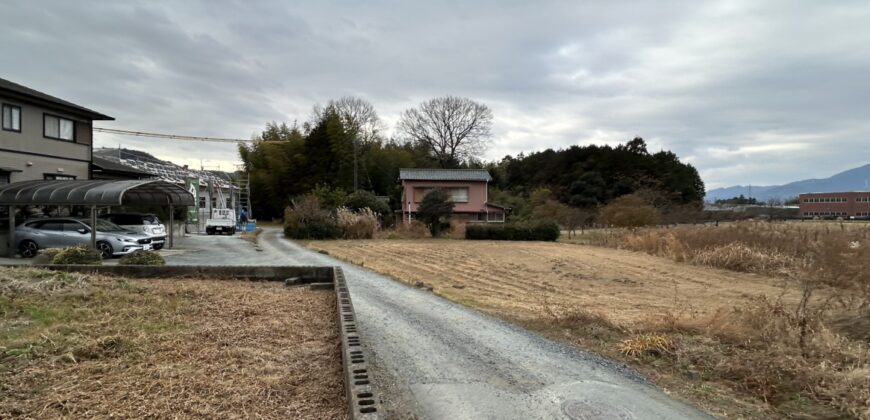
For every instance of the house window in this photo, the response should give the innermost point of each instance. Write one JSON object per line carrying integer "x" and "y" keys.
{"x": 5, "y": 178}
{"x": 496, "y": 217}
{"x": 459, "y": 195}
{"x": 11, "y": 118}
{"x": 58, "y": 177}
{"x": 202, "y": 202}
{"x": 55, "y": 127}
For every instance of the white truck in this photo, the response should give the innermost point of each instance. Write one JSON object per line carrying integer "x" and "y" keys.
{"x": 221, "y": 221}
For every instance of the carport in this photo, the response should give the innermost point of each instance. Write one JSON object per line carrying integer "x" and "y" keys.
{"x": 92, "y": 194}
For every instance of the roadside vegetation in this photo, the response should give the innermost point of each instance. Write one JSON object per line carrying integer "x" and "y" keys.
{"x": 82, "y": 346}
{"x": 142, "y": 258}
{"x": 739, "y": 342}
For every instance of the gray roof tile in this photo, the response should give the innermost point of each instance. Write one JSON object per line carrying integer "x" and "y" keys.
{"x": 444, "y": 174}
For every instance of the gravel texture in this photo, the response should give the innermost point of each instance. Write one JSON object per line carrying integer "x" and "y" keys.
{"x": 437, "y": 359}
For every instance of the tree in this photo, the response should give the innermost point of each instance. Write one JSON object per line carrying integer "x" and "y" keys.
{"x": 571, "y": 218}
{"x": 366, "y": 200}
{"x": 629, "y": 211}
{"x": 453, "y": 129}
{"x": 359, "y": 118}
{"x": 435, "y": 211}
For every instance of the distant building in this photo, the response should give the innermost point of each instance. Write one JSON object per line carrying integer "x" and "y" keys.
{"x": 467, "y": 188}
{"x": 836, "y": 204}
{"x": 108, "y": 170}
{"x": 43, "y": 137}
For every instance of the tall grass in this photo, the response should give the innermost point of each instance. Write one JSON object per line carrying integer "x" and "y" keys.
{"x": 775, "y": 349}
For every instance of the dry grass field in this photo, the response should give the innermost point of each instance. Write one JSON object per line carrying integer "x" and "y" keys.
{"x": 725, "y": 340}
{"x": 77, "y": 346}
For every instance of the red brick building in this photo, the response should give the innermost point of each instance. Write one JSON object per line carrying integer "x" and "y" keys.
{"x": 847, "y": 205}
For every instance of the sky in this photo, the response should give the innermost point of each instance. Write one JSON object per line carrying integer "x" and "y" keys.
{"x": 748, "y": 92}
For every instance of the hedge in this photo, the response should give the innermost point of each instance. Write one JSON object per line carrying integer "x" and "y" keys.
{"x": 540, "y": 231}
{"x": 314, "y": 228}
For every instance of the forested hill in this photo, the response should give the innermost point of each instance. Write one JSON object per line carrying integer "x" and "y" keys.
{"x": 586, "y": 176}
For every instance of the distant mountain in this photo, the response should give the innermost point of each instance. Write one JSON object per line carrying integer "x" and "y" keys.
{"x": 857, "y": 179}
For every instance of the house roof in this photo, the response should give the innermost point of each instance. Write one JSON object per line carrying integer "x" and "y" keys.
{"x": 97, "y": 193}
{"x": 106, "y": 165}
{"x": 45, "y": 99}
{"x": 412, "y": 174}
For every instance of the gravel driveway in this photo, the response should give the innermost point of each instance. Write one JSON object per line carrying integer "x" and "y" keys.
{"x": 436, "y": 359}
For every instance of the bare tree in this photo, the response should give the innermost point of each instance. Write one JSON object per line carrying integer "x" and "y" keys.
{"x": 359, "y": 118}
{"x": 452, "y": 128}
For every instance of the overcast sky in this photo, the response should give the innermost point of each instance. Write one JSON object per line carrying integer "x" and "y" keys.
{"x": 748, "y": 91}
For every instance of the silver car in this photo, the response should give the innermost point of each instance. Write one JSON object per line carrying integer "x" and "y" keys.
{"x": 147, "y": 223}
{"x": 60, "y": 232}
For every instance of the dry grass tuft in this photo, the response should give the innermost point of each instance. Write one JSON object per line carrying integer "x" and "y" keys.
{"x": 655, "y": 345}
{"x": 166, "y": 349}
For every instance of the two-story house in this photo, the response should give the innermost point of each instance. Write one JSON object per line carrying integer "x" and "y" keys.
{"x": 468, "y": 189}
{"x": 43, "y": 137}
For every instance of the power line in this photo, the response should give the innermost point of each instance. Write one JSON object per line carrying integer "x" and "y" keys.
{"x": 176, "y": 136}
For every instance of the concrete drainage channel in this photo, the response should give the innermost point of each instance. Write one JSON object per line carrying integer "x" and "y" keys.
{"x": 357, "y": 378}
{"x": 363, "y": 403}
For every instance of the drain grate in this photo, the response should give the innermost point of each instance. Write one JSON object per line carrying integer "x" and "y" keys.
{"x": 361, "y": 396}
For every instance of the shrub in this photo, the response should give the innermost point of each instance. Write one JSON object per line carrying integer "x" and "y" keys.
{"x": 361, "y": 224}
{"x": 306, "y": 220}
{"x": 630, "y": 211}
{"x": 45, "y": 256}
{"x": 142, "y": 258}
{"x": 435, "y": 211}
{"x": 366, "y": 200}
{"x": 82, "y": 254}
{"x": 539, "y": 231}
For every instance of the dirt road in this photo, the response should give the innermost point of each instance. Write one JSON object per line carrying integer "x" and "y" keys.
{"x": 437, "y": 359}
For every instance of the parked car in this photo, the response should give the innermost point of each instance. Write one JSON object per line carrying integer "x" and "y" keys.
{"x": 146, "y": 223}
{"x": 60, "y": 232}
{"x": 221, "y": 221}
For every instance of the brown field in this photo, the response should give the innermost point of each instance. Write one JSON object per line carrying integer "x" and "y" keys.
{"x": 76, "y": 346}
{"x": 725, "y": 340}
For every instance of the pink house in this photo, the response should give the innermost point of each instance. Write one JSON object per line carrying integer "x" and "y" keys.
{"x": 468, "y": 188}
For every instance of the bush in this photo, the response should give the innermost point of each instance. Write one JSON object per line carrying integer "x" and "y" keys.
{"x": 313, "y": 228}
{"x": 45, "y": 256}
{"x": 435, "y": 211}
{"x": 366, "y": 200}
{"x": 82, "y": 254}
{"x": 306, "y": 220}
{"x": 539, "y": 231}
{"x": 630, "y": 211}
{"x": 142, "y": 258}
{"x": 361, "y": 224}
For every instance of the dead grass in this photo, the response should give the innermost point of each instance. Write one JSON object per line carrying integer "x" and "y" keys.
{"x": 74, "y": 346}
{"x": 726, "y": 340}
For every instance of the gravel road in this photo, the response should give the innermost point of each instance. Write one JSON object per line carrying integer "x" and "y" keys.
{"x": 437, "y": 360}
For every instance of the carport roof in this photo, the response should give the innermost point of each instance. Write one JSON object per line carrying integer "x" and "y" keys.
{"x": 94, "y": 193}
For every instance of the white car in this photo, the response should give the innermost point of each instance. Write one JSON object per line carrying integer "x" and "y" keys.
{"x": 145, "y": 223}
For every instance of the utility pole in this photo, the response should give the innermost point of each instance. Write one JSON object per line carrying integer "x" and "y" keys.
{"x": 355, "y": 165}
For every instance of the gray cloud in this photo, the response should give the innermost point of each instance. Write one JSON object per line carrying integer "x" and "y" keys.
{"x": 749, "y": 92}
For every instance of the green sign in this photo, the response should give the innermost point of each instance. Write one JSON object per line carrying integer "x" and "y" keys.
{"x": 192, "y": 186}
